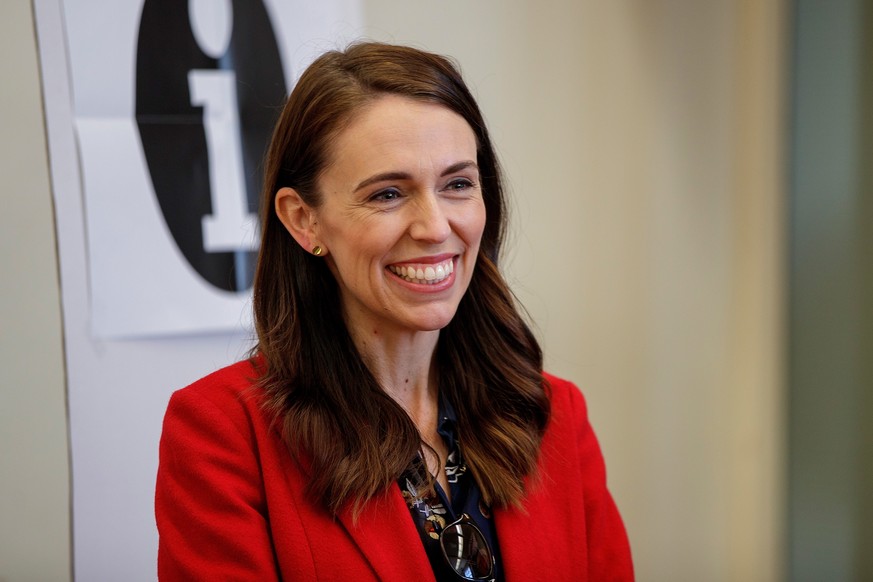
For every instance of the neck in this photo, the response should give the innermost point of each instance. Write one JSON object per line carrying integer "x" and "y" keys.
{"x": 403, "y": 364}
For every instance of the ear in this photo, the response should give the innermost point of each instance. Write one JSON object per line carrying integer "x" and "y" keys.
{"x": 297, "y": 217}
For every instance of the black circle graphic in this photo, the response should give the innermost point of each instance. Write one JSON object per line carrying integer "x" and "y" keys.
{"x": 172, "y": 129}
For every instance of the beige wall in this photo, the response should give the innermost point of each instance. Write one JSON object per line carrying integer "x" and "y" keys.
{"x": 642, "y": 142}
{"x": 34, "y": 476}
{"x": 642, "y": 139}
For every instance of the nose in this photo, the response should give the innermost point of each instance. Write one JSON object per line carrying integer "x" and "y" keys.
{"x": 429, "y": 222}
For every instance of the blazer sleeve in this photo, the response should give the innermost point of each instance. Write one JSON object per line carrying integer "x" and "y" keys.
{"x": 209, "y": 500}
{"x": 609, "y": 555}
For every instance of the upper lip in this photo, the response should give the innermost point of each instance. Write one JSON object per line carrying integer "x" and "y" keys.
{"x": 429, "y": 260}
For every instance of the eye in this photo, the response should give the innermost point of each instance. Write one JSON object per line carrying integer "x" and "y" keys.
{"x": 459, "y": 185}
{"x": 386, "y": 195}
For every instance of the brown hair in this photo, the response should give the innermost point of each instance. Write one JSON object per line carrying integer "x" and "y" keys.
{"x": 331, "y": 407}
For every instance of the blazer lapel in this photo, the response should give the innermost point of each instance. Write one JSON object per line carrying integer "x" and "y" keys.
{"x": 386, "y": 535}
{"x": 519, "y": 545}
{"x": 534, "y": 541}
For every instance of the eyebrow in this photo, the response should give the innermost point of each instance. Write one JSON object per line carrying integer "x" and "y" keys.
{"x": 388, "y": 176}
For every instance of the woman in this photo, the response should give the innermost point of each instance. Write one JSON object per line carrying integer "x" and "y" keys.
{"x": 394, "y": 421}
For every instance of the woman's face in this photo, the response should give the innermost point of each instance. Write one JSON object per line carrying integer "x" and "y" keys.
{"x": 402, "y": 215}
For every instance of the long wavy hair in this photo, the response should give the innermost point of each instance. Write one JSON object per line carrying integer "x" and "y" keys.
{"x": 356, "y": 439}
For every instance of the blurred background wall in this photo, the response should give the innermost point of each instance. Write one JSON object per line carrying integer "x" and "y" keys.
{"x": 647, "y": 145}
{"x": 34, "y": 466}
{"x": 644, "y": 146}
{"x": 830, "y": 404}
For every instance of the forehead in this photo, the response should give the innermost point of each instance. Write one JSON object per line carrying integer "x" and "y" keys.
{"x": 398, "y": 133}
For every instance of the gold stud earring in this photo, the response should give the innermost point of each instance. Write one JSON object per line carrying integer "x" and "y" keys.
{"x": 317, "y": 250}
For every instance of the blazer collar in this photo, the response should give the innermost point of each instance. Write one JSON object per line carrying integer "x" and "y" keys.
{"x": 386, "y": 535}
{"x": 539, "y": 538}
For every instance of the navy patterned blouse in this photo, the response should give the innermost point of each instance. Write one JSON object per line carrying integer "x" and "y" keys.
{"x": 431, "y": 510}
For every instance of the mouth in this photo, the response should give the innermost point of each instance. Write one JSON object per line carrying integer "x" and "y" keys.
{"x": 424, "y": 274}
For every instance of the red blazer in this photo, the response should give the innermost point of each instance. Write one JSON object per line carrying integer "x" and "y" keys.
{"x": 230, "y": 504}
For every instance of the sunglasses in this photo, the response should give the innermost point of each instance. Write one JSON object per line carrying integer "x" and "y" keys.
{"x": 466, "y": 549}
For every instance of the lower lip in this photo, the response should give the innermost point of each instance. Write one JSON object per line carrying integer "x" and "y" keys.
{"x": 425, "y": 287}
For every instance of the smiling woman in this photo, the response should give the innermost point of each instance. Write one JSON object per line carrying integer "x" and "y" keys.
{"x": 402, "y": 218}
{"x": 394, "y": 421}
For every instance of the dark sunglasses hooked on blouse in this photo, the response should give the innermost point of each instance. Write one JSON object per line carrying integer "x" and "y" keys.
{"x": 466, "y": 550}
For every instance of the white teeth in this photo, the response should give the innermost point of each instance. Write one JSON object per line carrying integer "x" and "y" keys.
{"x": 425, "y": 274}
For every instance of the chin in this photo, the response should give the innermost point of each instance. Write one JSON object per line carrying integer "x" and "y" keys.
{"x": 431, "y": 325}
{"x": 434, "y": 322}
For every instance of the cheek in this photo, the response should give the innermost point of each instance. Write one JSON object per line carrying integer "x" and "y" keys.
{"x": 475, "y": 226}
{"x": 356, "y": 253}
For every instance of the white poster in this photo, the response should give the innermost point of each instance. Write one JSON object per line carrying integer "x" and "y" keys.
{"x": 135, "y": 307}
{"x": 173, "y": 102}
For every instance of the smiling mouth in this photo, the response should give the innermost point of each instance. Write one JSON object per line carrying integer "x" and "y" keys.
{"x": 424, "y": 274}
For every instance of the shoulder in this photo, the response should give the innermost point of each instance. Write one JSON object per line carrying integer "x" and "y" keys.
{"x": 229, "y": 383}
{"x": 564, "y": 396}
{"x": 228, "y": 395}
{"x": 226, "y": 381}
{"x": 569, "y": 432}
